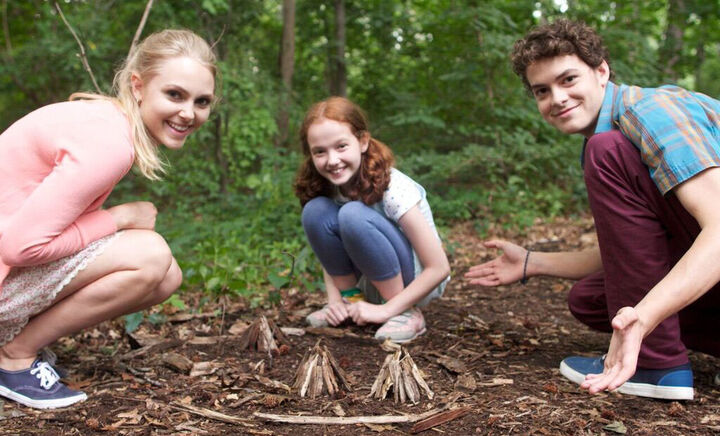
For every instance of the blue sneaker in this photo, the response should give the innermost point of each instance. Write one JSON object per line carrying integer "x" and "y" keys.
{"x": 38, "y": 387}
{"x": 668, "y": 384}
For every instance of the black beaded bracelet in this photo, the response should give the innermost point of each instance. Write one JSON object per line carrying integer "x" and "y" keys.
{"x": 524, "y": 278}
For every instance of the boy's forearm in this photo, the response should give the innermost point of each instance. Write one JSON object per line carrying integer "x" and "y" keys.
{"x": 695, "y": 273}
{"x": 568, "y": 264}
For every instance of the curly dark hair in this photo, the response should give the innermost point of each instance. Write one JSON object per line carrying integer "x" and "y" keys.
{"x": 562, "y": 37}
{"x": 373, "y": 176}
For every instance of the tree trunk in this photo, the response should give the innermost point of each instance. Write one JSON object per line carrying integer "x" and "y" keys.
{"x": 287, "y": 68}
{"x": 672, "y": 48}
{"x": 338, "y": 78}
{"x": 699, "y": 60}
{"x": 220, "y": 156}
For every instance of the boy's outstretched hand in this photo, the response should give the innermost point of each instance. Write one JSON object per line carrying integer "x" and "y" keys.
{"x": 507, "y": 268}
{"x": 622, "y": 356}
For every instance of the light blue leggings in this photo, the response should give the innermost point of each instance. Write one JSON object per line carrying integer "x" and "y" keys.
{"x": 354, "y": 238}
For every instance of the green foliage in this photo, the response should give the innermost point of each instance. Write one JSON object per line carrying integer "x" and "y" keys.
{"x": 512, "y": 184}
{"x": 433, "y": 75}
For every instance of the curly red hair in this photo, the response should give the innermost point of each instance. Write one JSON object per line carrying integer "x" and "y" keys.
{"x": 373, "y": 176}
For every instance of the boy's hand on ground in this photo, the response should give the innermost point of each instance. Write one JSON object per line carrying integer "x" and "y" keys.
{"x": 363, "y": 313}
{"x": 622, "y": 356}
{"x": 337, "y": 313}
{"x": 134, "y": 215}
{"x": 507, "y": 268}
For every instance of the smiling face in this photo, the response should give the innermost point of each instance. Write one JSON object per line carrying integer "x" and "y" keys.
{"x": 336, "y": 152}
{"x": 175, "y": 100}
{"x": 568, "y": 92}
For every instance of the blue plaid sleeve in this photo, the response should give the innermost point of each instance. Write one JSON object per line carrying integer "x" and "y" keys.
{"x": 677, "y": 134}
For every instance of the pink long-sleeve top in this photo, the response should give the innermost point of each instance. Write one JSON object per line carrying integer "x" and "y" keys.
{"x": 58, "y": 164}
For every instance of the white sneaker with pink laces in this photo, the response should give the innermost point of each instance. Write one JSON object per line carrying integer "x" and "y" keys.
{"x": 403, "y": 328}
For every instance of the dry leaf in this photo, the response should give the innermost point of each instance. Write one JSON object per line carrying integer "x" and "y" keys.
{"x": 616, "y": 427}
{"x": 454, "y": 365}
{"x": 270, "y": 400}
{"x": 133, "y": 414}
{"x": 466, "y": 382}
{"x": 709, "y": 418}
{"x": 498, "y": 382}
{"x": 338, "y": 410}
{"x": 272, "y": 383}
{"x": 204, "y": 340}
{"x": 380, "y": 428}
{"x": 293, "y": 331}
{"x": 204, "y": 368}
{"x": 238, "y": 327}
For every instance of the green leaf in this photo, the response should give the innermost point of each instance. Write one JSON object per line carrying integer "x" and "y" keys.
{"x": 156, "y": 318}
{"x": 176, "y": 302}
{"x": 133, "y": 321}
{"x": 278, "y": 281}
{"x": 212, "y": 284}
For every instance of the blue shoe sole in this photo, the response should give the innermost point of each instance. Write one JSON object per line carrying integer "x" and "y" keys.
{"x": 638, "y": 389}
{"x": 41, "y": 404}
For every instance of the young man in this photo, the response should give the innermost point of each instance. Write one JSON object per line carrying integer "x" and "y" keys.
{"x": 651, "y": 159}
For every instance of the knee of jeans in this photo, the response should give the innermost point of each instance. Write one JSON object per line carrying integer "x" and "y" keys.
{"x": 353, "y": 217}
{"x": 574, "y": 299}
{"x": 316, "y": 211}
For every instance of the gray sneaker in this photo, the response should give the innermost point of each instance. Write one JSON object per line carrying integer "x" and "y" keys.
{"x": 318, "y": 318}
{"x": 38, "y": 387}
{"x": 402, "y": 328}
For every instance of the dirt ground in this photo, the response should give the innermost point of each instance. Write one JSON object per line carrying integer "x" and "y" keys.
{"x": 494, "y": 353}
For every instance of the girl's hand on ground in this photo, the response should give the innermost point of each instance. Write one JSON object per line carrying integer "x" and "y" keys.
{"x": 135, "y": 215}
{"x": 507, "y": 268}
{"x": 622, "y": 356}
{"x": 366, "y": 313}
{"x": 337, "y": 313}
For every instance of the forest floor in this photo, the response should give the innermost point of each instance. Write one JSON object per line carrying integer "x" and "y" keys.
{"x": 490, "y": 356}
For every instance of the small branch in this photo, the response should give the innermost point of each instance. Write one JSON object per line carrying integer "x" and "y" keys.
{"x": 139, "y": 375}
{"x": 83, "y": 57}
{"x": 345, "y": 420}
{"x": 141, "y": 26}
{"x": 292, "y": 265}
{"x": 212, "y": 46}
{"x": 440, "y": 418}
{"x": 210, "y": 414}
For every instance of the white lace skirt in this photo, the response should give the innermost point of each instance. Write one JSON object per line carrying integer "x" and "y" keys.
{"x": 27, "y": 291}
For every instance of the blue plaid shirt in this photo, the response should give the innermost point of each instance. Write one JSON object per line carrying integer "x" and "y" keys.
{"x": 677, "y": 131}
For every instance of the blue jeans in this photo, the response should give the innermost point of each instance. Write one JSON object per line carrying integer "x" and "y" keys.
{"x": 356, "y": 239}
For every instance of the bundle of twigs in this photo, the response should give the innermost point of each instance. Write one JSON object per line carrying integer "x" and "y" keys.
{"x": 402, "y": 375}
{"x": 319, "y": 373}
{"x": 261, "y": 335}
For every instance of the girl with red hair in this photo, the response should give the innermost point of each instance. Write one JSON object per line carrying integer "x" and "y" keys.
{"x": 369, "y": 225}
